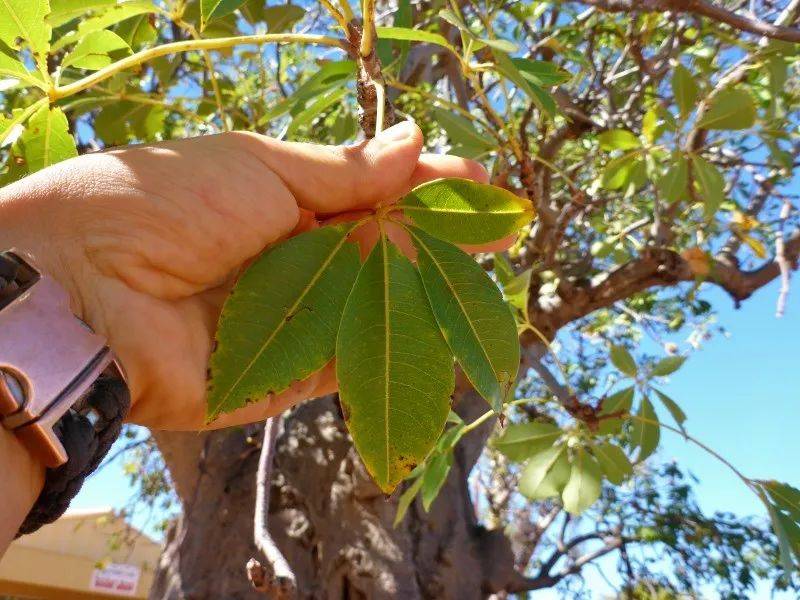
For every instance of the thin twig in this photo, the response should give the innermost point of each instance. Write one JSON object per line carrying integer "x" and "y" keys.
{"x": 276, "y": 578}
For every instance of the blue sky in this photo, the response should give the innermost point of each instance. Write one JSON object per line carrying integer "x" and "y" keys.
{"x": 741, "y": 394}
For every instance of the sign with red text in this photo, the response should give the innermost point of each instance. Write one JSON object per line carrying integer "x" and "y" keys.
{"x": 117, "y": 579}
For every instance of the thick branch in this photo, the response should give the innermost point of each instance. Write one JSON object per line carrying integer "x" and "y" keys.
{"x": 705, "y": 9}
{"x": 658, "y": 267}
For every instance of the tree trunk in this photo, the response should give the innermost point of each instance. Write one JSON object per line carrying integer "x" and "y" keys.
{"x": 332, "y": 523}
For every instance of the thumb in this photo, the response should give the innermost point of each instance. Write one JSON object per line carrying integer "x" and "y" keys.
{"x": 333, "y": 179}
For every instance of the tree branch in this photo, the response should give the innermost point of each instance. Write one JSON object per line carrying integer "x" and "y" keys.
{"x": 277, "y": 578}
{"x": 703, "y": 8}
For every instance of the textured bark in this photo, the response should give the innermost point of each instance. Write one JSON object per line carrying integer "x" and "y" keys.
{"x": 332, "y": 523}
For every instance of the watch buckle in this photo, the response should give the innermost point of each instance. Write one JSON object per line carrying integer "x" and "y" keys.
{"x": 52, "y": 357}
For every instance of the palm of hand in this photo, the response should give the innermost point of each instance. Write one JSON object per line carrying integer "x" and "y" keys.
{"x": 150, "y": 239}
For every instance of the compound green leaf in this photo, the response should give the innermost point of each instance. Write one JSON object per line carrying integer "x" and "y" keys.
{"x": 546, "y": 474}
{"x": 394, "y": 368}
{"x": 613, "y": 462}
{"x": 622, "y": 359}
{"x": 279, "y": 324}
{"x": 583, "y": 487}
{"x": 617, "y": 404}
{"x": 618, "y": 139}
{"x": 464, "y": 212}
{"x": 475, "y": 321}
{"x": 22, "y": 23}
{"x": 521, "y": 441}
{"x": 216, "y": 9}
{"x": 684, "y": 89}
{"x": 730, "y": 109}
{"x": 97, "y": 50}
{"x": 711, "y": 182}
{"x": 646, "y": 431}
{"x": 46, "y": 139}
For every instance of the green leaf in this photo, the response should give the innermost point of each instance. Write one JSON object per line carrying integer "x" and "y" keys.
{"x": 434, "y": 477}
{"x": 618, "y": 172}
{"x": 541, "y": 98}
{"x": 414, "y": 35}
{"x": 673, "y": 184}
{"x": 786, "y": 497}
{"x": 650, "y": 126}
{"x": 316, "y": 108}
{"x": 475, "y": 322}
{"x": 64, "y": 11}
{"x": 622, "y": 359}
{"x": 517, "y": 291}
{"x": 646, "y": 431}
{"x": 617, "y": 403}
{"x": 106, "y": 18}
{"x": 546, "y": 474}
{"x": 406, "y": 499}
{"x": 583, "y": 487}
{"x": 466, "y": 140}
{"x": 97, "y": 50}
{"x": 730, "y": 109}
{"x": 618, "y": 139}
{"x": 22, "y": 23}
{"x": 394, "y": 368}
{"x": 137, "y": 31}
{"x": 712, "y": 184}
{"x": 788, "y": 533}
{"x": 667, "y": 366}
{"x": 673, "y": 408}
{"x": 271, "y": 335}
{"x": 541, "y": 73}
{"x": 613, "y": 462}
{"x": 11, "y": 66}
{"x": 46, "y": 139}
{"x": 685, "y": 90}
{"x": 216, "y": 9}
{"x": 282, "y": 17}
{"x": 464, "y": 212}
{"x": 520, "y": 441}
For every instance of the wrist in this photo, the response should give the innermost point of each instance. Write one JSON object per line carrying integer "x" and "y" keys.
{"x": 23, "y": 477}
{"x": 34, "y": 223}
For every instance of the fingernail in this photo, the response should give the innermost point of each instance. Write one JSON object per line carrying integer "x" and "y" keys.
{"x": 396, "y": 133}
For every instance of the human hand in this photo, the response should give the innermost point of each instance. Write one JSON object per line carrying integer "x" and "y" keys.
{"x": 148, "y": 241}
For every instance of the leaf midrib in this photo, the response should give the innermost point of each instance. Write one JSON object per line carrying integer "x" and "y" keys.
{"x": 407, "y": 208}
{"x": 283, "y": 321}
{"x": 387, "y": 348}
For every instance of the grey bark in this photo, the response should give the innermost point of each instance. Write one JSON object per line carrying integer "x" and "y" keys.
{"x": 330, "y": 521}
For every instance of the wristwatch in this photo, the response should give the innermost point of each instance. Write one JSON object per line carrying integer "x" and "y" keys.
{"x": 62, "y": 391}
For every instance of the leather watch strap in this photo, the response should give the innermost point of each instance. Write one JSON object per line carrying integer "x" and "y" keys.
{"x": 86, "y": 431}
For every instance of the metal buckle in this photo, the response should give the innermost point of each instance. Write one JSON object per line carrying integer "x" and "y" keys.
{"x": 49, "y": 359}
